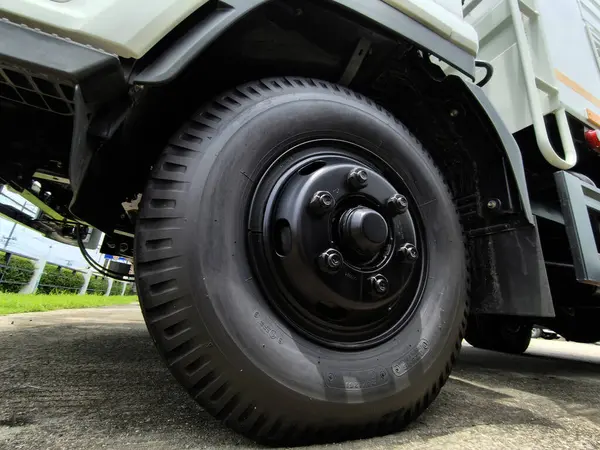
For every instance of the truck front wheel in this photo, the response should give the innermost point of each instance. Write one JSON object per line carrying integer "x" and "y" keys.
{"x": 300, "y": 263}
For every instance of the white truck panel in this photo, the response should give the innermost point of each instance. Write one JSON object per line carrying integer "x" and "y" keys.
{"x": 563, "y": 57}
{"x": 454, "y": 6}
{"x": 498, "y": 46}
{"x": 128, "y": 28}
{"x": 575, "y": 61}
{"x": 441, "y": 16}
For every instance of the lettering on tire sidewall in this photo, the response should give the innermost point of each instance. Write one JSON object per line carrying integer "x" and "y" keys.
{"x": 268, "y": 327}
{"x": 350, "y": 380}
{"x": 410, "y": 358}
{"x": 356, "y": 380}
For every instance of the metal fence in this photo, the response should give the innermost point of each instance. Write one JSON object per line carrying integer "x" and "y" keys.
{"x": 21, "y": 274}
{"x": 6, "y": 270}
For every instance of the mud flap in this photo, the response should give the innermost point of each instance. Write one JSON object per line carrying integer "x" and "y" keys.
{"x": 509, "y": 275}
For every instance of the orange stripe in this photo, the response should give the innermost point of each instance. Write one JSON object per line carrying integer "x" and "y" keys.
{"x": 593, "y": 117}
{"x": 576, "y": 87}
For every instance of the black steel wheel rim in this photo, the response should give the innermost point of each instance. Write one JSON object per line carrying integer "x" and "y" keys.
{"x": 337, "y": 243}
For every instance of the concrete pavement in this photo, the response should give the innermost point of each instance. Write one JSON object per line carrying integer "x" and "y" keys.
{"x": 92, "y": 379}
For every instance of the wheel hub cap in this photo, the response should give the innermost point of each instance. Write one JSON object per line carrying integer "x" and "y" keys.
{"x": 364, "y": 230}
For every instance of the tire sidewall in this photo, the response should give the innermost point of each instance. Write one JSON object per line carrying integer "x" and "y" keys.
{"x": 277, "y": 363}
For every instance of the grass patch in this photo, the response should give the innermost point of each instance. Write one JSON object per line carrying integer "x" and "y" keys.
{"x": 18, "y": 303}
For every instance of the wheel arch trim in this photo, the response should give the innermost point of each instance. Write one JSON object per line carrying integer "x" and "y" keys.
{"x": 180, "y": 53}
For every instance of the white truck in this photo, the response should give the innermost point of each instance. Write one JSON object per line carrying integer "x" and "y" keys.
{"x": 322, "y": 197}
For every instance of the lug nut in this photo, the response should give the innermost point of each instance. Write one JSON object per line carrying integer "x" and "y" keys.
{"x": 322, "y": 202}
{"x": 493, "y": 203}
{"x": 358, "y": 178}
{"x": 410, "y": 252}
{"x": 397, "y": 203}
{"x": 331, "y": 261}
{"x": 379, "y": 284}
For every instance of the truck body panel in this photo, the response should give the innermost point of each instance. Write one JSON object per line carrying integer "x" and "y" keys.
{"x": 441, "y": 17}
{"x": 564, "y": 38}
{"x": 131, "y": 28}
{"x": 575, "y": 54}
{"x": 126, "y": 28}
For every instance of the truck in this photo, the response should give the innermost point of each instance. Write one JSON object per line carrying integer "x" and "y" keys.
{"x": 322, "y": 198}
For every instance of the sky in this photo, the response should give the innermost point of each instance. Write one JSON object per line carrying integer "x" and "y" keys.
{"x": 29, "y": 243}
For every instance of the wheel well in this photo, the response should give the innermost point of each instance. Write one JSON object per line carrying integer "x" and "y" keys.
{"x": 317, "y": 40}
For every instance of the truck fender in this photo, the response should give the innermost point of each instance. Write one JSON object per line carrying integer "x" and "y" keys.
{"x": 172, "y": 61}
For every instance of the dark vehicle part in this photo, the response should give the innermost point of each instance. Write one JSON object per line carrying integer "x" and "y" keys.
{"x": 489, "y": 72}
{"x": 34, "y": 66}
{"x": 118, "y": 244}
{"x": 119, "y": 276}
{"x": 577, "y": 304}
{"x": 292, "y": 353}
{"x": 499, "y": 333}
{"x": 578, "y": 323}
{"x": 580, "y": 201}
{"x": 331, "y": 261}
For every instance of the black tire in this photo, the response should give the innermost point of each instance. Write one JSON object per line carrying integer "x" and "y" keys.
{"x": 206, "y": 310}
{"x": 499, "y": 333}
